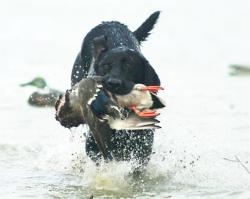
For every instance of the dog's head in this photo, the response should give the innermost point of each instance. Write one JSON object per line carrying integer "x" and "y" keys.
{"x": 122, "y": 67}
{"x": 68, "y": 111}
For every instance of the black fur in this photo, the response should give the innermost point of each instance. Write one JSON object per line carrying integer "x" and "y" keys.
{"x": 113, "y": 51}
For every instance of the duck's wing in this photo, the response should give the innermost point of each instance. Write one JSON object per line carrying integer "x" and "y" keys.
{"x": 158, "y": 102}
{"x": 102, "y": 106}
{"x": 133, "y": 122}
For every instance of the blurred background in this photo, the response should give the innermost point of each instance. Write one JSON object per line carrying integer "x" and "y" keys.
{"x": 208, "y": 110}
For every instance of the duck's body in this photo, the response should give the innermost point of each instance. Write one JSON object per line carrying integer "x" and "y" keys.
{"x": 45, "y": 96}
{"x": 43, "y": 99}
{"x": 82, "y": 105}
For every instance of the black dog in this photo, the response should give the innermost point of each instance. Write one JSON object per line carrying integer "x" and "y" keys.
{"x": 113, "y": 51}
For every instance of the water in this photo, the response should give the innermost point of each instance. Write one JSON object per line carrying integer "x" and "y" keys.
{"x": 206, "y": 119}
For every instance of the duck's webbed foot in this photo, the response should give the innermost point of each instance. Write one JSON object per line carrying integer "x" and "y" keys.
{"x": 144, "y": 113}
{"x": 153, "y": 89}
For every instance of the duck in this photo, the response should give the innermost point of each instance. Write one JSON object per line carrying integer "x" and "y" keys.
{"x": 45, "y": 97}
{"x": 39, "y": 99}
{"x": 240, "y": 70}
{"x": 88, "y": 102}
{"x": 142, "y": 100}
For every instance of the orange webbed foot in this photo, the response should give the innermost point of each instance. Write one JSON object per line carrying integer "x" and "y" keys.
{"x": 153, "y": 89}
{"x": 146, "y": 113}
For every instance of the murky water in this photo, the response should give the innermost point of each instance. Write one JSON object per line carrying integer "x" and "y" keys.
{"x": 207, "y": 118}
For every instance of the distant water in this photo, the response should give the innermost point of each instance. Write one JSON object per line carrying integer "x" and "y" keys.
{"x": 206, "y": 120}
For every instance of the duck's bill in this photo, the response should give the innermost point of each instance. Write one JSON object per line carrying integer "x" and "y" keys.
{"x": 25, "y": 84}
{"x": 133, "y": 122}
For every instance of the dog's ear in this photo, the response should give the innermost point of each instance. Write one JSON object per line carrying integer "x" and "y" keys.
{"x": 100, "y": 44}
{"x": 150, "y": 78}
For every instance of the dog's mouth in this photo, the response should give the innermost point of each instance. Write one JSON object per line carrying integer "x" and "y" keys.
{"x": 118, "y": 91}
{"x": 122, "y": 89}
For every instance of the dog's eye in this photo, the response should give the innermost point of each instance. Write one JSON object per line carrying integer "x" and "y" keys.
{"x": 126, "y": 66}
{"x": 103, "y": 69}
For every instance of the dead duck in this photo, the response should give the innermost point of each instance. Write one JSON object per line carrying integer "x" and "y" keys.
{"x": 88, "y": 102}
{"x": 45, "y": 96}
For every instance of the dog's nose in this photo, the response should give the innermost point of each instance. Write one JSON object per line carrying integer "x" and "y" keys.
{"x": 113, "y": 83}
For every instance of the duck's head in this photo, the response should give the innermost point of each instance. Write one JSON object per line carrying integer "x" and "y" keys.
{"x": 68, "y": 110}
{"x": 38, "y": 82}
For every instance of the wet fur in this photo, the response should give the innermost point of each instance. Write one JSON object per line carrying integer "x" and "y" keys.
{"x": 113, "y": 51}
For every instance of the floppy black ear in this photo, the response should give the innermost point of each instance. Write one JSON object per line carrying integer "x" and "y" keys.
{"x": 100, "y": 44}
{"x": 150, "y": 78}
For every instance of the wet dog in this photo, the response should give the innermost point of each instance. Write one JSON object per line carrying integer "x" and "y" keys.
{"x": 112, "y": 51}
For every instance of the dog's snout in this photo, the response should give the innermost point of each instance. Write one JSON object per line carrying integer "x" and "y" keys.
{"x": 113, "y": 83}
